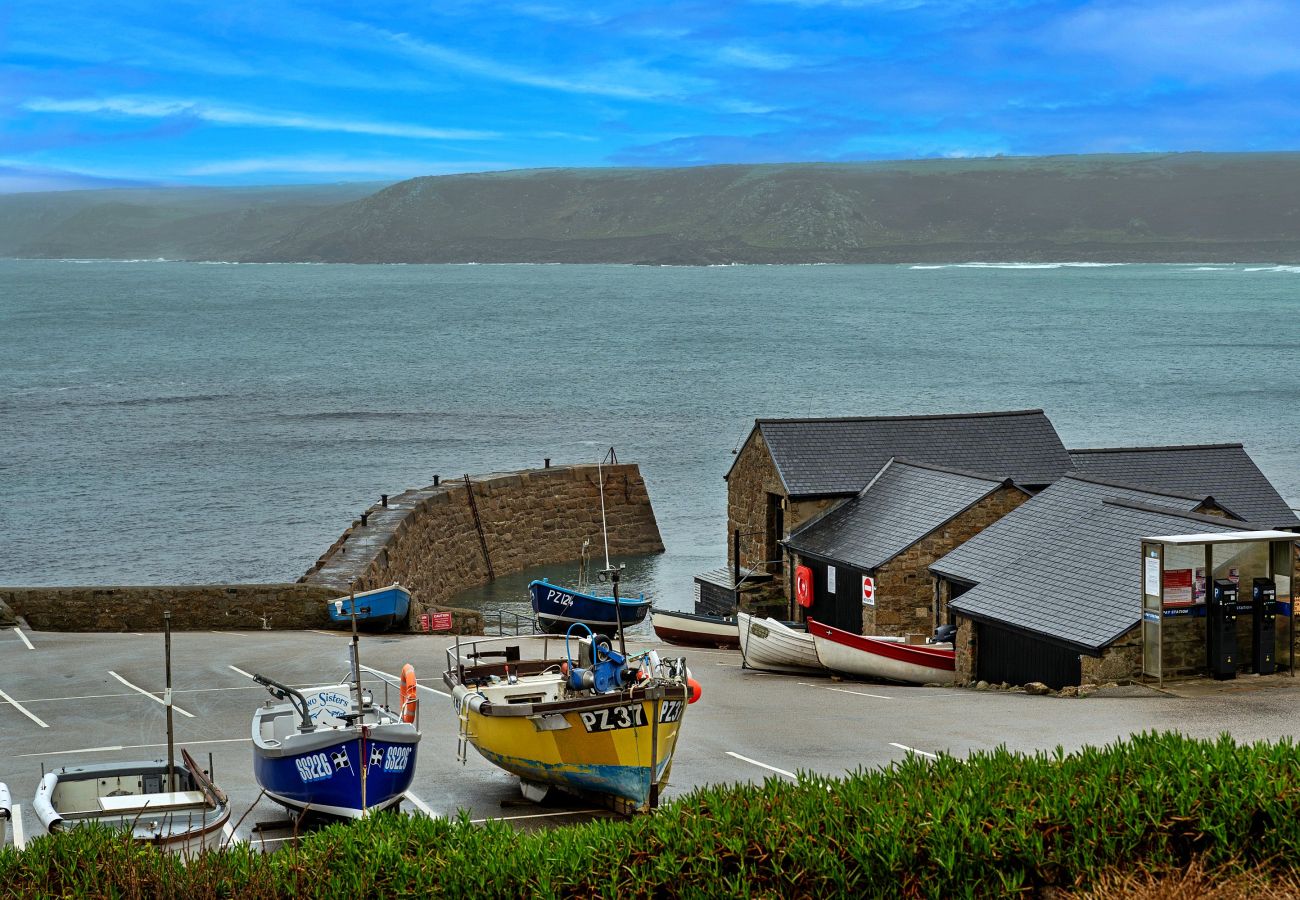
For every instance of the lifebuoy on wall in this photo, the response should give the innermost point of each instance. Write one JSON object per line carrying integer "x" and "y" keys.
{"x": 803, "y": 586}
{"x": 410, "y": 694}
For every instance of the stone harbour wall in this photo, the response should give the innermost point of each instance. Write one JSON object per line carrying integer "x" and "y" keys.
{"x": 429, "y": 541}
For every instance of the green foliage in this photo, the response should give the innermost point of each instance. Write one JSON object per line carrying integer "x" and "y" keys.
{"x": 994, "y": 824}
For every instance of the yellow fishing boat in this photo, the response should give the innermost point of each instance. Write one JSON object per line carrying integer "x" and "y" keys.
{"x": 571, "y": 713}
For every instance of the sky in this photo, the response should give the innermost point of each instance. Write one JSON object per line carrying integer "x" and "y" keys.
{"x": 275, "y": 92}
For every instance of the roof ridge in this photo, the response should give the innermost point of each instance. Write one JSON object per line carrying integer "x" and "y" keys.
{"x": 1130, "y": 486}
{"x": 912, "y": 418}
{"x": 1232, "y": 524}
{"x": 966, "y": 473}
{"x": 1154, "y": 449}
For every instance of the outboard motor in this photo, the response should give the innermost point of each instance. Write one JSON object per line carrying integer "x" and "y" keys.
{"x": 945, "y": 634}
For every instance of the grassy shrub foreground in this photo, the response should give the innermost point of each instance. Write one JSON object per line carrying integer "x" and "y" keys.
{"x": 996, "y": 823}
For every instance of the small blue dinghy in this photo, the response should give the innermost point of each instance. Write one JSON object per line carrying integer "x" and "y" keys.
{"x": 559, "y": 607}
{"x": 377, "y": 610}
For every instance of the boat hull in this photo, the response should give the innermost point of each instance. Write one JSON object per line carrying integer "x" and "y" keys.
{"x": 326, "y": 778}
{"x": 377, "y": 610}
{"x": 773, "y": 646}
{"x": 557, "y": 608}
{"x": 609, "y": 750}
{"x": 866, "y": 657}
{"x": 693, "y": 630}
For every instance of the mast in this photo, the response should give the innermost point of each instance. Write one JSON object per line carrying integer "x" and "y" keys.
{"x": 360, "y": 709}
{"x": 610, "y": 570}
{"x": 603, "y": 529}
{"x": 171, "y": 752}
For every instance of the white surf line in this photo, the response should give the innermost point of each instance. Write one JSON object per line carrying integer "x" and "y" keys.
{"x": 132, "y": 747}
{"x": 550, "y": 815}
{"x": 18, "y": 631}
{"x": 859, "y": 693}
{"x": 20, "y": 838}
{"x": 154, "y": 697}
{"x": 914, "y": 750}
{"x": 16, "y": 705}
{"x": 421, "y": 805}
{"x": 754, "y": 762}
{"x": 423, "y": 687}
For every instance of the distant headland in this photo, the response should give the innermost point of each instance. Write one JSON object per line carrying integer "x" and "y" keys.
{"x": 1185, "y": 207}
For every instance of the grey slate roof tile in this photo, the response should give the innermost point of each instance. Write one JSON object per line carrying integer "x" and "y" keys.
{"x": 1081, "y": 584}
{"x": 901, "y": 505}
{"x": 839, "y": 456}
{"x": 1035, "y": 522}
{"x": 1224, "y": 471}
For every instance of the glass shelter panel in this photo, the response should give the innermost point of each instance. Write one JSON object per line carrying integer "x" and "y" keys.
{"x": 1152, "y": 608}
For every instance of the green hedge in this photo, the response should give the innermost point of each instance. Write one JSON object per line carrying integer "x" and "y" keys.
{"x": 995, "y": 823}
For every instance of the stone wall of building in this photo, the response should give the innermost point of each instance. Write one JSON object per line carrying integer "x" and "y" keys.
{"x": 1121, "y": 661}
{"x": 904, "y": 587}
{"x": 751, "y": 479}
{"x": 429, "y": 541}
{"x": 966, "y": 648}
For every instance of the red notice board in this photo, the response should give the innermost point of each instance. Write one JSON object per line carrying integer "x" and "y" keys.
{"x": 440, "y": 621}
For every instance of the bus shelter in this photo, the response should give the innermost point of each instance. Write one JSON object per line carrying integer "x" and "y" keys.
{"x": 1218, "y": 603}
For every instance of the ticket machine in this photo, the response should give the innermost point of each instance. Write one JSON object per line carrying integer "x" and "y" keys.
{"x": 1263, "y": 631}
{"x": 1221, "y": 629}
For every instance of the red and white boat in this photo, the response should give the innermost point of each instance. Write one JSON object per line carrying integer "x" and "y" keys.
{"x": 692, "y": 630}
{"x": 883, "y": 658}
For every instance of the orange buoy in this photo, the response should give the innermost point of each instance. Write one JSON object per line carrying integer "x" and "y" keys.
{"x": 696, "y": 690}
{"x": 410, "y": 694}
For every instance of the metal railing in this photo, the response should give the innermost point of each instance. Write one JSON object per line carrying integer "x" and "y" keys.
{"x": 508, "y": 623}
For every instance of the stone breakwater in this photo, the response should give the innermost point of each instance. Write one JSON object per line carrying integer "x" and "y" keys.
{"x": 442, "y": 539}
{"x": 433, "y": 540}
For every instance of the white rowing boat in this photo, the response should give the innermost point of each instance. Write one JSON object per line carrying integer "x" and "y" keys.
{"x": 776, "y": 646}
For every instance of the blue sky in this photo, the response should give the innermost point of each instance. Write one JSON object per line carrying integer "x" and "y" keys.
{"x": 130, "y": 92}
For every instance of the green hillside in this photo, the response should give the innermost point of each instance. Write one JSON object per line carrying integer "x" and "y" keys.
{"x": 1133, "y": 208}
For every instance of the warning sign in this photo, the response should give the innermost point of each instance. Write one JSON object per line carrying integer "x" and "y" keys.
{"x": 440, "y": 621}
{"x": 868, "y": 591}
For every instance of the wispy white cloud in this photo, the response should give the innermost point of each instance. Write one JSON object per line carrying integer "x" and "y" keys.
{"x": 751, "y": 57}
{"x": 163, "y": 108}
{"x": 342, "y": 165}
{"x": 624, "y": 79}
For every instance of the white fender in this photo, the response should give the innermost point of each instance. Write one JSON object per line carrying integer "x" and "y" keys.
{"x": 44, "y": 805}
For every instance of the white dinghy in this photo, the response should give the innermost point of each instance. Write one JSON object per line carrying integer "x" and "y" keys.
{"x": 774, "y": 646}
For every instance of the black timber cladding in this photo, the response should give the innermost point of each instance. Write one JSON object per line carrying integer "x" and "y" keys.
{"x": 1011, "y": 657}
{"x": 1082, "y": 584}
{"x": 1037, "y": 520}
{"x": 820, "y": 457}
{"x": 902, "y": 504}
{"x": 1225, "y": 471}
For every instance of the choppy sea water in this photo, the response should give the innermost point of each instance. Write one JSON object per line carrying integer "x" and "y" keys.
{"x": 171, "y": 422}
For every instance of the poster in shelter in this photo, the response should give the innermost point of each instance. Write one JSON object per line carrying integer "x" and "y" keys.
{"x": 1198, "y": 585}
{"x": 1178, "y": 586}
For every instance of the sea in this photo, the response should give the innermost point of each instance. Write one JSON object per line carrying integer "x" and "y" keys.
{"x": 167, "y": 422}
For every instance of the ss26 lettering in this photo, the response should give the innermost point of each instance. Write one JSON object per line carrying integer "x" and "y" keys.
{"x": 396, "y": 759}
{"x": 314, "y": 767}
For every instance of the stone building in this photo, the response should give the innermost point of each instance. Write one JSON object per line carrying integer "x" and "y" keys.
{"x": 909, "y": 515}
{"x": 790, "y": 470}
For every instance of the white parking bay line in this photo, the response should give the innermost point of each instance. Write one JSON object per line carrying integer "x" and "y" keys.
{"x": 860, "y": 693}
{"x": 18, "y": 631}
{"x": 132, "y": 747}
{"x": 16, "y": 705}
{"x": 154, "y": 697}
{"x": 240, "y": 671}
{"x": 549, "y": 815}
{"x": 421, "y": 805}
{"x": 754, "y": 762}
{"x": 914, "y": 750}
{"x": 20, "y": 838}
{"x": 423, "y": 687}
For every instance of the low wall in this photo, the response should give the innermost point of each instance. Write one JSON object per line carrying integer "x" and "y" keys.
{"x": 428, "y": 540}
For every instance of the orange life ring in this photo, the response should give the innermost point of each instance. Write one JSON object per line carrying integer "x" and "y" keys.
{"x": 410, "y": 698}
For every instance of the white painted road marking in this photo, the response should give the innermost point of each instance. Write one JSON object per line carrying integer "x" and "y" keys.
{"x": 19, "y": 632}
{"x": 550, "y": 815}
{"x": 860, "y": 693}
{"x": 20, "y": 839}
{"x": 914, "y": 750}
{"x": 16, "y": 705}
{"x": 754, "y": 762}
{"x": 240, "y": 671}
{"x": 421, "y": 805}
{"x": 423, "y": 687}
{"x": 154, "y": 697}
{"x": 132, "y": 747}
{"x": 229, "y": 832}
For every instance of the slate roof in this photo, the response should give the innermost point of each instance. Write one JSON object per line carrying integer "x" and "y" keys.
{"x": 903, "y": 503}
{"x": 1081, "y": 584}
{"x": 839, "y": 456}
{"x": 1036, "y": 522}
{"x": 1224, "y": 470}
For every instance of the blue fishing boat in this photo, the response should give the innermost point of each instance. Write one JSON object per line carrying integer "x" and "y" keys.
{"x": 558, "y": 607}
{"x": 377, "y": 610}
